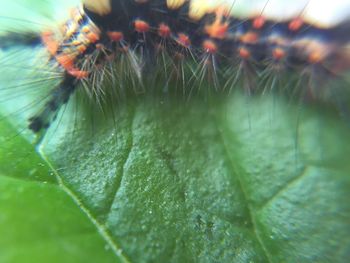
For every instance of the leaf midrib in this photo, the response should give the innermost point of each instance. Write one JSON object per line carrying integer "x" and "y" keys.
{"x": 117, "y": 251}
{"x": 244, "y": 194}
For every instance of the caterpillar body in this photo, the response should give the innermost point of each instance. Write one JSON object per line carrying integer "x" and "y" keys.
{"x": 257, "y": 47}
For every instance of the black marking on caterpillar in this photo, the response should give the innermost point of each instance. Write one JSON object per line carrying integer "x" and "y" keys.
{"x": 59, "y": 96}
{"x": 142, "y": 29}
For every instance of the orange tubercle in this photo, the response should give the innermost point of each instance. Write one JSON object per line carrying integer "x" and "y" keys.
{"x": 315, "y": 57}
{"x": 249, "y": 38}
{"x": 210, "y": 47}
{"x": 79, "y": 74}
{"x": 93, "y": 37}
{"x": 183, "y": 40}
{"x": 49, "y": 42}
{"x": 259, "y": 22}
{"x": 295, "y": 24}
{"x": 164, "y": 30}
{"x": 115, "y": 36}
{"x": 244, "y": 52}
{"x": 218, "y": 28}
{"x": 278, "y": 53}
{"x": 141, "y": 26}
{"x": 81, "y": 49}
{"x": 85, "y": 29}
{"x": 65, "y": 61}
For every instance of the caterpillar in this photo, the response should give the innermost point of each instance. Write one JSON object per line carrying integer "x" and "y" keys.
{"x": 169, "y": 33}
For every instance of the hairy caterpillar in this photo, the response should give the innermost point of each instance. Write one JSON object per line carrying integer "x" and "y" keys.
{"x": 257, "y": 48}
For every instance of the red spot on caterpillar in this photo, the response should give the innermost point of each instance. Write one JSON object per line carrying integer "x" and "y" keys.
{"x": 67, "y": 62}
{"x": 81, "y": 49}
{"x": 93, "y": 37}
{"x": 85, "y": 29}
{"x": 164, "y": 30}
{"x": 183, "y": 40}
{"x": 249, "y": 38}
{"x": 315, "y": 57}
{"x": 259, "y": 22}
{"x": 244, "y": 52}
{"x": 295, "y": 24}
{"x": 49, "y": 42}
{"x": 278, "y": 53}
{"x": 115, "y": 36}
{"x": 79, "y": 74}
{"x": 218, "y": 28}
{"x": 210, "y": 47}
{"x": 141, "y": 26}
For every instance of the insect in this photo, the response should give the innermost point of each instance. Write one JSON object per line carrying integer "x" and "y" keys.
{"x": 218, "y": 45}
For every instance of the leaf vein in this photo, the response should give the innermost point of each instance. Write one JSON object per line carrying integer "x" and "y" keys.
{"x": 245, "y": 195}
{"x": 284, "y": 188}
{"x": 118, "y": 183}
{"x": 100, "y": 227}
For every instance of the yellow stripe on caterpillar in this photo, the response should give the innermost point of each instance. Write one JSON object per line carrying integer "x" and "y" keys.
{"x": 101, "y": 7}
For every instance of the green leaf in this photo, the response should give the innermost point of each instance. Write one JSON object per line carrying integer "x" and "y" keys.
{"x": 230, "y": 179}
{"x": 220, "y": 181}
{"x": 39, "y": 222}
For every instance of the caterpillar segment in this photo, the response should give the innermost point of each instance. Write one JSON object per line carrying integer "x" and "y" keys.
{"x": 140, "y": 29}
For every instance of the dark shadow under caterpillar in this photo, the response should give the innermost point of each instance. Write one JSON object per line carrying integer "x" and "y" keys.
{"x": 143, "y": 31}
